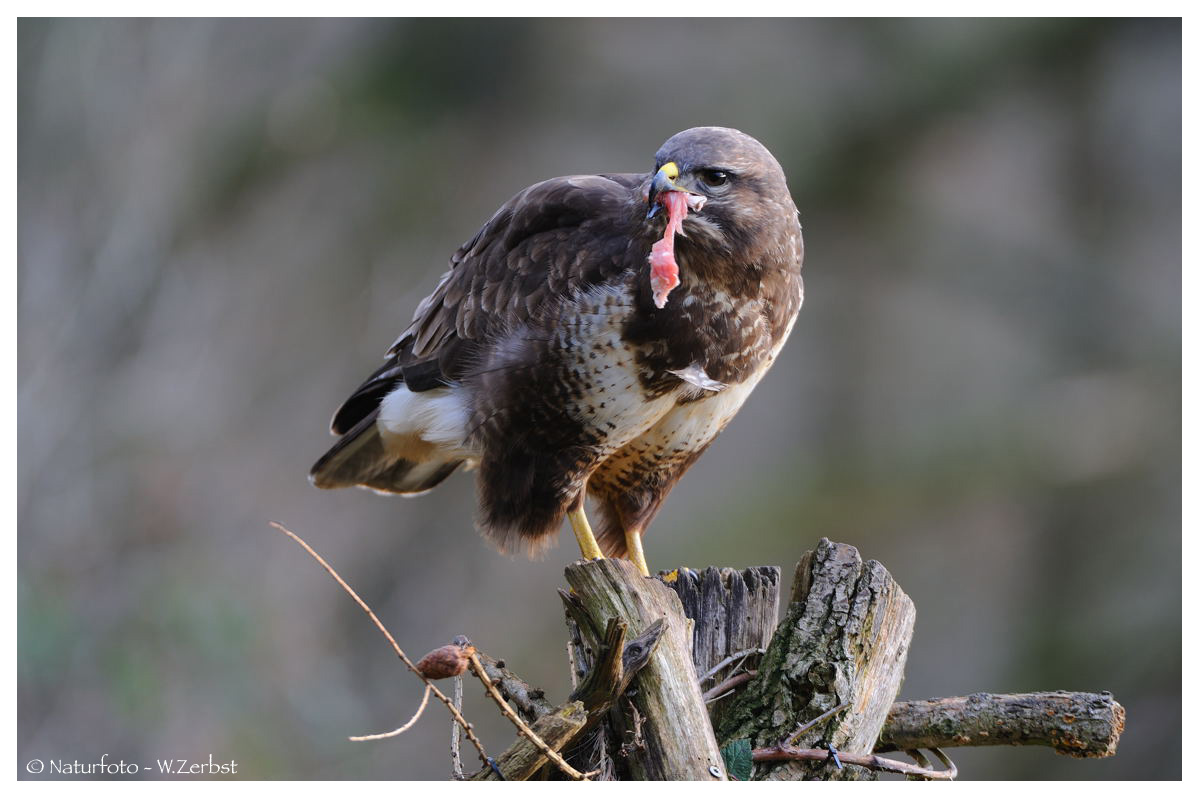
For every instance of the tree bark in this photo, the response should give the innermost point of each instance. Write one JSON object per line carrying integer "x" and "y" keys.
{"x": 529, "y": 702}
{"x": 844, "y": 641}
{"x": 1075, "y": 724}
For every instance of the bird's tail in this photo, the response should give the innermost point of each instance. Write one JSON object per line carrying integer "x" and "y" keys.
{"x": 360, "y": 458}
{"x": 523, "y": 498}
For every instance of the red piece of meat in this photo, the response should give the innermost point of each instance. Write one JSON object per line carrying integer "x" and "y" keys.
{"x": 663, "y": 268}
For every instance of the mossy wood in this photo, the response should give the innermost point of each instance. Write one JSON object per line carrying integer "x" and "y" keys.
{"x": 1081, "y": 725}
{"x": 844, "y": 640}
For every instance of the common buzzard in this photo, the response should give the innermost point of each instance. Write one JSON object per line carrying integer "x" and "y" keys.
{"x": 574, "y": 349}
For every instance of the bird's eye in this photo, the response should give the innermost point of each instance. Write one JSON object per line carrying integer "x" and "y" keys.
{"x": 714, "y": 177}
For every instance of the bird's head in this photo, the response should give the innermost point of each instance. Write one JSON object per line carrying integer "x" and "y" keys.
{"x": 731, "y": 191}
{"x": 732, "y": 184}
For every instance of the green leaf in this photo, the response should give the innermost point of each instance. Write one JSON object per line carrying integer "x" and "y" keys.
{"x": 738, "y": 759}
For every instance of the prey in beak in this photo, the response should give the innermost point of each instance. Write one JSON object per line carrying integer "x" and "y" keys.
{"x": 666, "y": 192}
{"x": 665, "y": 180}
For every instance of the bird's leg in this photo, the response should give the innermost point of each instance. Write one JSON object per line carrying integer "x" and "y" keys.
{"x": 632, "y": 541}
{"x": 578, "y": 522}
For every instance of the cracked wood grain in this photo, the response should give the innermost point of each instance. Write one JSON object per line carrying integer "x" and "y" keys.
{"x": 845, "y": 639}
{"x": 676, "y": 741}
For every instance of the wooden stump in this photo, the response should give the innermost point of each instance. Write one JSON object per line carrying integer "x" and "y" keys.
{"x": 844, "y": 640}
{"x": 671, "y": 736}
{"x": 732, "y": 611}
{"x": 829, "y": 676}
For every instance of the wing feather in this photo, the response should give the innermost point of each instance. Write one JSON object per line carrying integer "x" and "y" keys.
{"x": 540, "y": 247}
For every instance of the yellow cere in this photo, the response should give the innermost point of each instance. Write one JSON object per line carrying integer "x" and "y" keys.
{"x": 670, "y": 170}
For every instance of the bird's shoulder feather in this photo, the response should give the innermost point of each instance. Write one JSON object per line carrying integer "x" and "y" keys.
{"x": 549, "y": 242}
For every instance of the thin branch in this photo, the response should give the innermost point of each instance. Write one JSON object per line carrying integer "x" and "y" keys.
{"x": 466, "y": 726}
{"x": 397, "y": 732}
{"x": 730, "y": 659}
{"x": 823, "y": 716}
{"x": 520, "y": 725}
{"x": 727, "y": 687}
{"x": 456, "y": 734}
{"x": 780, "y": 753}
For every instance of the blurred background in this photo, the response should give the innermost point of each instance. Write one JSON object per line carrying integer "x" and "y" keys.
{"x": 224, "y": 224}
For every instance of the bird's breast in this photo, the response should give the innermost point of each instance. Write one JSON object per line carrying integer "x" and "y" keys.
{"x": 708, "y": 332}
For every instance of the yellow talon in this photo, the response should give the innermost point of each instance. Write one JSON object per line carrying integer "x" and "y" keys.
{"x": 582, "y": 529}
{"x": 632, "y": 539}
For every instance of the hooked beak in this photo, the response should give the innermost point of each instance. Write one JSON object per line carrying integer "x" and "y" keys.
{"x": 664, "y": 180}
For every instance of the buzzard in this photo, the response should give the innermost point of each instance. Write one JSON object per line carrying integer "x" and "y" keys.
{"x": 574, "y": 348}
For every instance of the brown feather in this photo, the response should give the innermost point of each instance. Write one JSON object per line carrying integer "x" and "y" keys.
{"x": 545, "y": 331}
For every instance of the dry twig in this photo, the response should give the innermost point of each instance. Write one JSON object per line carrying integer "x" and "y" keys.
{"x": 729, "y": 660}
{"x": 727, "y": 687}
{"x": 397, "y": 732}
{"x": 456, "y": 734}
{"x": 635, "y": 741}
{"x": 520, "y": 725}
{"x": 466, "y": 726}
{"x": 871, "y": 761}
{"x": 803, "y": 727}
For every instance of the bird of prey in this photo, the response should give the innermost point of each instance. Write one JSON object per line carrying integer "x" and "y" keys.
{"x": 575, "y": 349}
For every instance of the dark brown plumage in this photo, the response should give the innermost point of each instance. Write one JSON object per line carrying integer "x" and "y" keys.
{"x": 542, "y": 359}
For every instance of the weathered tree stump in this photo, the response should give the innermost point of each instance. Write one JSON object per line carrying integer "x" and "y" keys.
{"x": 844, "y": 641}
{"x": 829, "y": 676}
{"x": 732, "y": 612}
{"x": 673, "y": 740}
{"x": 837, "y": 658}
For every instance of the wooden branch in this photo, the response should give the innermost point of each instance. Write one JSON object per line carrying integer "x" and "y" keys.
{"x": 1074, "y": 724}
{"x": 529, "y": 701}
{"x": 618, "y": 663}
{"x": 845, "y": 639}
{"x": 524, "y": 758}
{"x": 922, "y": 771}
{"x": 829, "y": 676}
{"x": 599, "y": 687}
{"x": 520, "y": 725}
{"x": 728, "y": 686}
{"x": 677, "y": 739}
